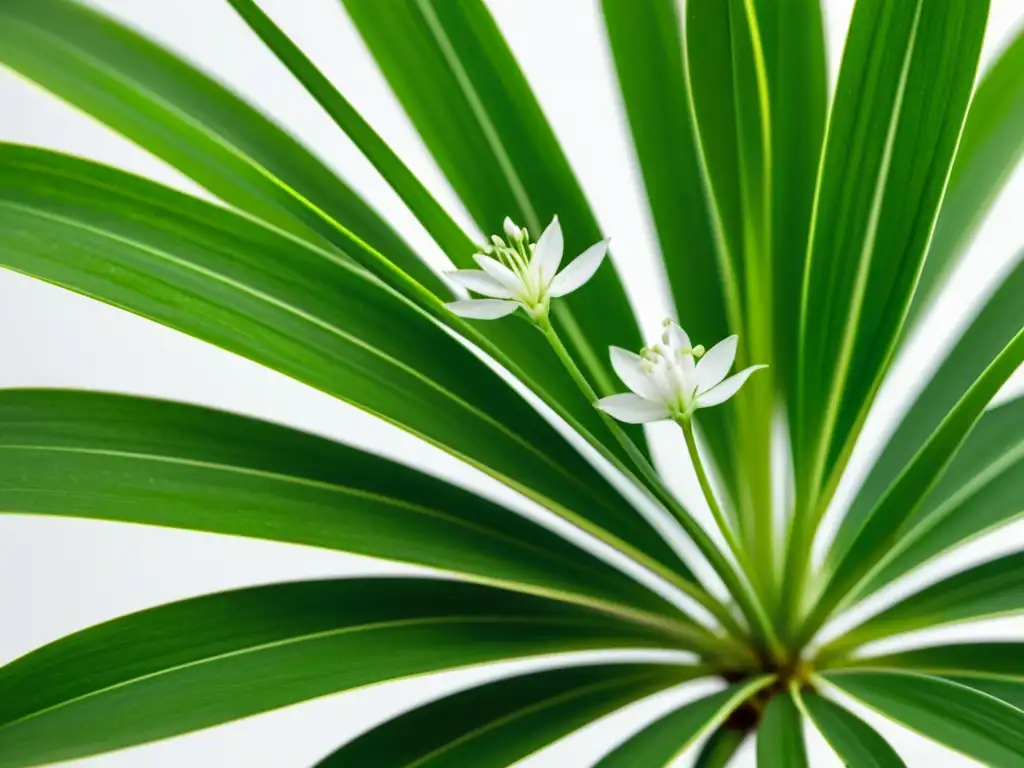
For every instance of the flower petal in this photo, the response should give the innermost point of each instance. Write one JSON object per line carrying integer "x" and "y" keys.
{"x": 726, "y": 389}
{"x": 628, "y": 367}
{"x": 501, "y": 273}
{"x": 632, "y": 409}
{"x": 479, "y": 281}
{"x": 677, "y": 337}
{"x": 547, "y": 256}
{"x": 580, "y": 270}
{"x": 713, "y": 367}
{"x": 483, "y": 309}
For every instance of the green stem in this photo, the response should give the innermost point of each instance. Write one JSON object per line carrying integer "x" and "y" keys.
{"x": 761, "y": 619}
{"x": 752, "y": 610}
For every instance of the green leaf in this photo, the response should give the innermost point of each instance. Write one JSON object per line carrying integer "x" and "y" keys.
{"x": 195, "y": 124}
{"x": 991, "y": 146}
{"x": 793, "y": 41}
{"x": 980, "y": 491}
{"x": 111, "y": 457}
{"x": 997, "y": 660}
{"x": 519, "y": 341}
{"x": 901, "y": 98}
{"x": 997, "y": 323}
{"x": 297, "y": 309}
{"x": 455, "y": 76}
{"x": 992, "y": 589}
{"x": 141, "y": 677}
{"x": 671, "y": 735}
{"x": 720, "y": 748}
{"x": 647, "y": 47}
{"x": 885, "y": 526}
{"x": 728, "y": 88}
{"x": 498, "y": 724}
{"x": 857, "y": 743}
{"x": 780, "y": 736}
{"x": 1008, "y": 691}
{"x": 973, "y": 723}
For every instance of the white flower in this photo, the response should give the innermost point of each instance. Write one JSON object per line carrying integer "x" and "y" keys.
{"x": 518, "y": 274}
{"x": 665, "y": 381}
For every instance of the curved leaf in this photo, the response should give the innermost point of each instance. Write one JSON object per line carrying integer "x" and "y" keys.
{"x": 121, "y": 458}
{"x": 141, "y": 677}
{"x": 885, "y": 527}
{"x": 992, "y": 589}
{"x": 251, "y": 290}
{"x": 192, "y": 122}
{"x": 997, "y": 323}
{"x": 991, "y": 146}
{"x": 973, "y": 723}
{"x": 452, "y": 71}
{"x": 1007, "y": 691}
{"x": 646, "y": 45}
{"x": 990, "y": 660}
{"x": 668, "y": 737}
{"x": 857, "y": 743}
{"x": 720, "y": 748}
{"x": 517, "y": 340}
{"x": 981, "y": 491}
{"x": 498, "y": 724}
{"x": 780, "y": 736}
{"x": 902, "y": 95}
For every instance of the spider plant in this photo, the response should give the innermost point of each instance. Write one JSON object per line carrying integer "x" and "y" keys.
{"x": 802, "y": 234}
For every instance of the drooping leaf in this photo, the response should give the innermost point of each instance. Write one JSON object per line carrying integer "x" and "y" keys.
{"x": 295, "y": 308}
{"x": 780, "y": 736}
{"x": 192, "y": 122}
{"x": 884, "y": 527}
{"x": 662, "y": 741}
{"x": 991, "y": 589}
{"x": 973, "y": 723}
{"x": 981, "y": 491}
{"x": 121, "y": 458}
{"x": 901, "y": 98}
{"x": 1000, "y": 319}
{"x": 517, "y": 340}
{"x": 456, "y": 78}
{"x": 498, "y": 724}
{"x": 193, "y": 664}
{"x": 991, "y": 146}
{"x": 646, "y": 43}
{"x": 857, "y": 743}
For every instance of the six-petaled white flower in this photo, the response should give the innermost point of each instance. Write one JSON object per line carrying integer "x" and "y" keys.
{"x": 516, "y": 273}
{"x": 667, "y": 383}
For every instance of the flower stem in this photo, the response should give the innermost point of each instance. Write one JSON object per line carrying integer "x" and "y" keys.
{"x": 760, "y": 615}
{"x": 691, "y": 526}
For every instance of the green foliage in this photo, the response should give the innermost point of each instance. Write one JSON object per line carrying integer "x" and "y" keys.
{"x": 816, "y": 229}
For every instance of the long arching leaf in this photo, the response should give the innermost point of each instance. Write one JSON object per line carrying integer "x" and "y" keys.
{"x": 498, "y": 724}
{"x": 195, "y": 124}
{"x": 212, "y": 659}
{"x": 668, "y": 737}
{"x": 1007, "y": 691}
{"x": 519, "y": 341}
{"x": 455, "y": 76}
{"x": 288, "y": 305}
{"x": 989, "y": 660}
{"x": 998, "y": 321}
{"x": 780, "y": 736}
{"x": 980, "y": 492}
{"x": 973, "y": 723}
{"x": 111, "y": 457}
{"x": 992, "y": 589}
{"x": 902, "y": 95}
{"x": 857, "y": 743}
{"x": 992, "y": 145}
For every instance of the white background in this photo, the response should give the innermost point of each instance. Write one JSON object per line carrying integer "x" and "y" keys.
{"x": 57, "y": 576}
